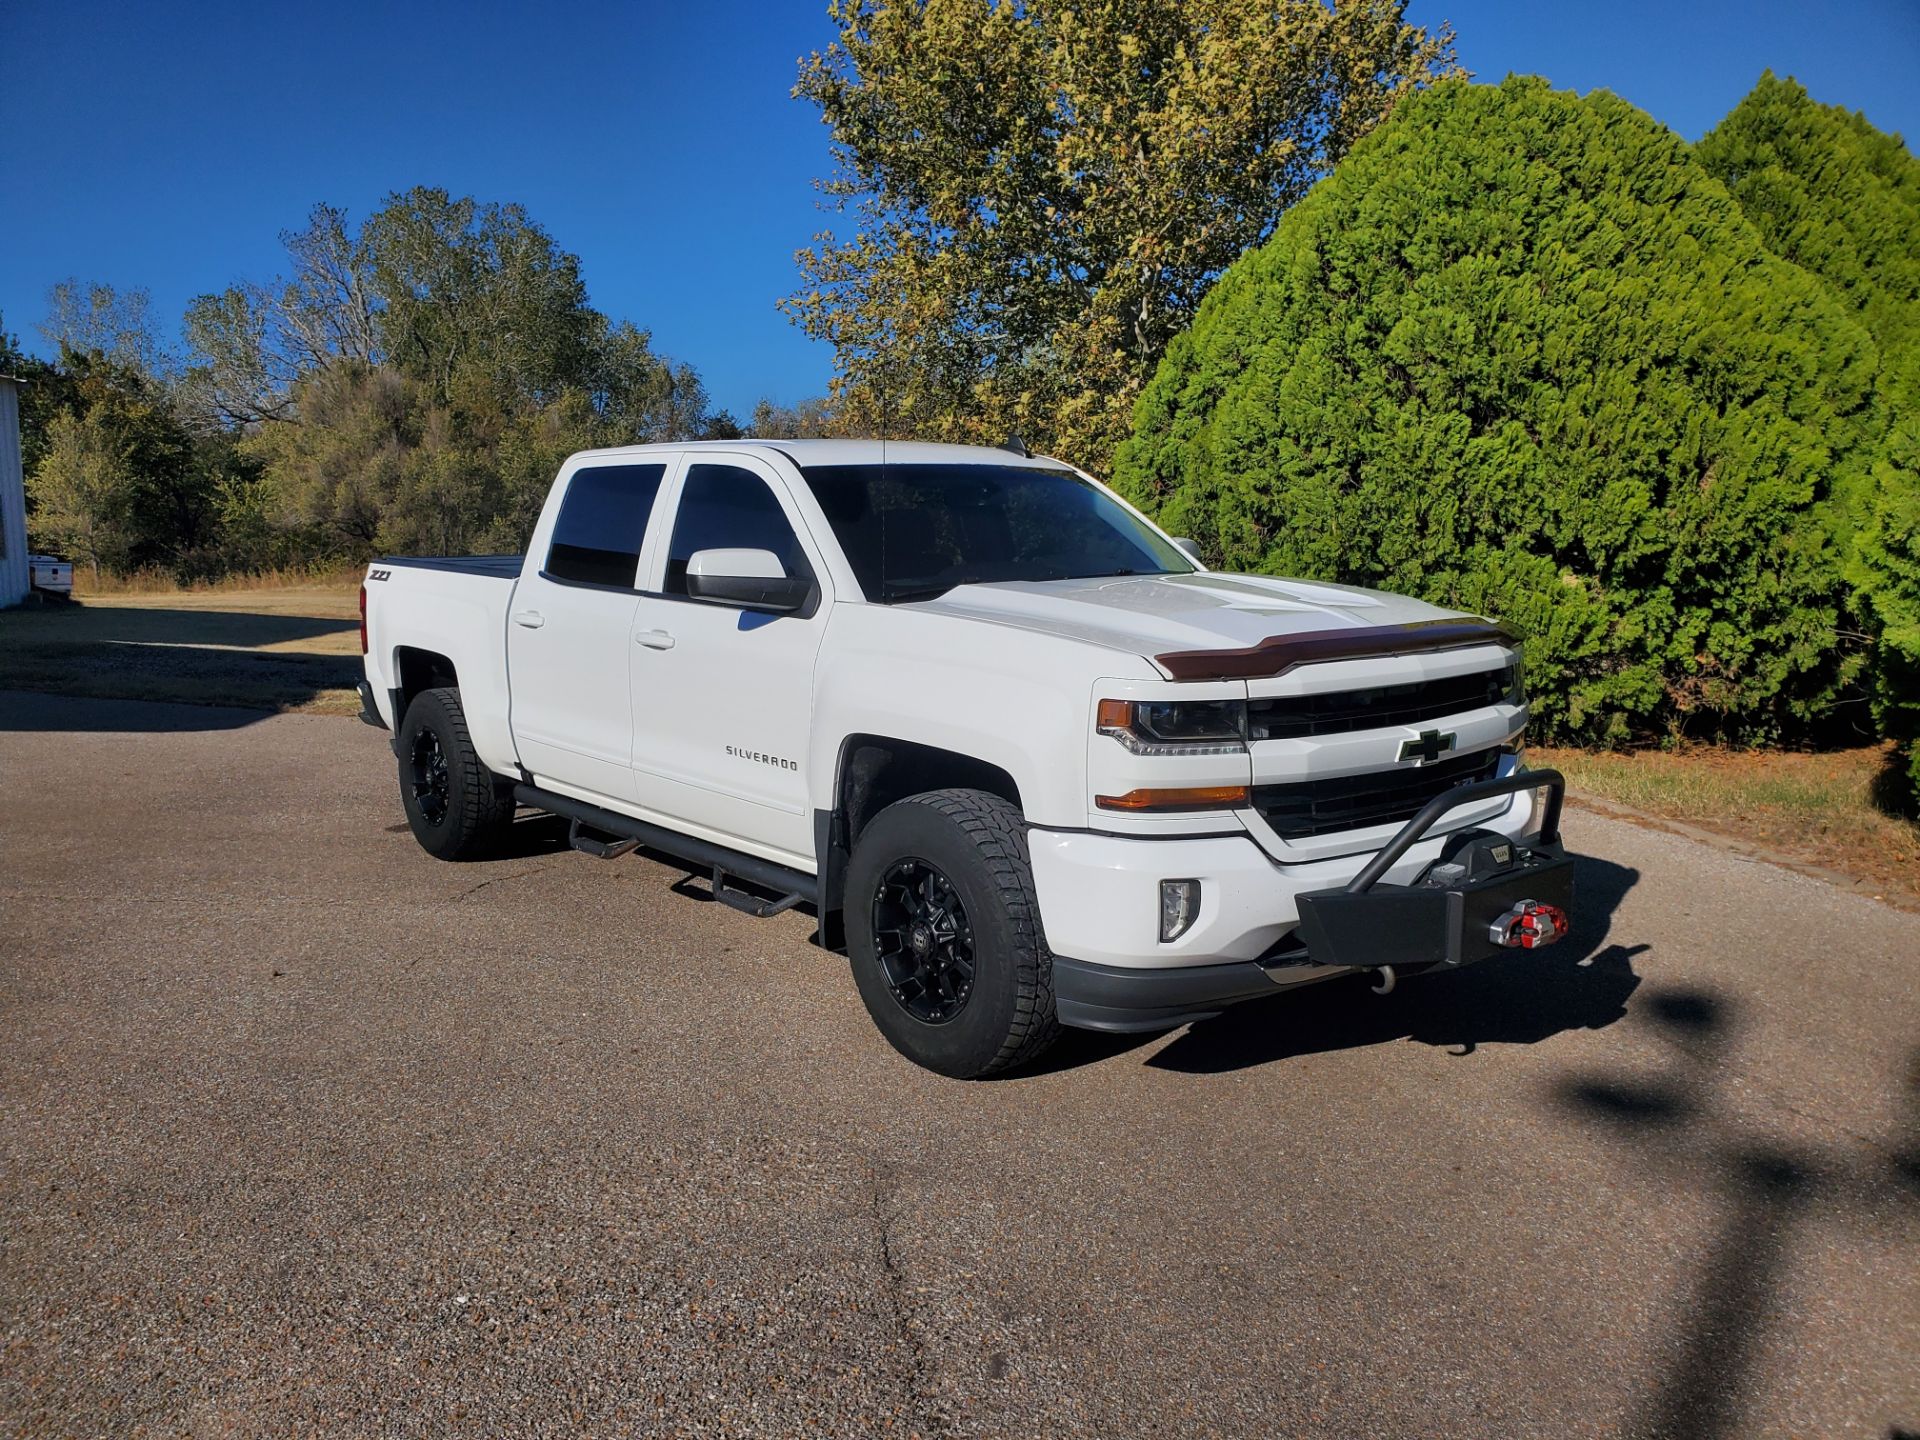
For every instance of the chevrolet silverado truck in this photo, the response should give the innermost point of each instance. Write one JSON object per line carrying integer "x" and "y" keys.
{"x": 1026, "y": 757}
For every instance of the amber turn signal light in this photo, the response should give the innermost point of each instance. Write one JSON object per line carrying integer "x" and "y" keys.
{"x": 1205, "y": 797}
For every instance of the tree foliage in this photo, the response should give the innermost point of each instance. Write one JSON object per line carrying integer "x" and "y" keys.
{"x": 447, "y": 291}
{"x": 378, "y": 463}
{"x": 1840, "y": 198}
{"x": 45, "y": 391}
{"x": 1522, "y": 354}
{"x": 118, "y": 482}
{"x": 410, "y": 384}
{"x": 810, "y": 419}
{"x": 118, "y": 325}
{"x": 1043, "y": 191}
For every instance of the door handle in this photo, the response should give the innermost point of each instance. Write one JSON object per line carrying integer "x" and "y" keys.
{"x": 653, "y": 639}
{"x": 532, "y": 619}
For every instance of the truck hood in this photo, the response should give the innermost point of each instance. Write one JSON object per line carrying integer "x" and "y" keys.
{"x": 1154, "y": 614}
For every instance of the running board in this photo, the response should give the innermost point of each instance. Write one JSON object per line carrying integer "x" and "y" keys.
{"x": 795, "y": 887}
{"x": 597, "y": 843}
{"x": 750, "y": 904}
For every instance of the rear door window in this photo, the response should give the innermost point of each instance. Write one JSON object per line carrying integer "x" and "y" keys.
{"x": 601, "y": 524}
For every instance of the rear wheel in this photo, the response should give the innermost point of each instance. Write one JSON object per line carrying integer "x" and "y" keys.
{"x": 944, "y": 933}
{"x": 457, "y": 807}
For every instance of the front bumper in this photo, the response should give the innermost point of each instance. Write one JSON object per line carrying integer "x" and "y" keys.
{"x": 1264, "y": 927}
{"x": 1128, "y": 998}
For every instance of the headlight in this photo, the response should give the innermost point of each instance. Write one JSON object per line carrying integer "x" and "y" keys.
{"x": 1516, "y": 683}
{"x": 1176, "y": 727}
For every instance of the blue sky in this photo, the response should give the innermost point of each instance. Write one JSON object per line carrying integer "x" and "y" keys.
{"x": 655, "y": 140}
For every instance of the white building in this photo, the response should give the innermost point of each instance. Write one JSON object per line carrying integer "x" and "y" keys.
{"x": 14, "y": 578}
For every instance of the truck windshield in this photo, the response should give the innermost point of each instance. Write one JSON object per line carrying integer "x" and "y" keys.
{"x": 912, "y": 532}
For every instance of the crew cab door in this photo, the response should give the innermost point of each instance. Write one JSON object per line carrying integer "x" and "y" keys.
{"x": 568, "y": 628}
{"x": 722, "y": 696}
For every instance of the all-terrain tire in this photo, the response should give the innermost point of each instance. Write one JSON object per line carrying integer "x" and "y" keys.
{"x": 457, "y": 807}
{"x": 977, "y": 845}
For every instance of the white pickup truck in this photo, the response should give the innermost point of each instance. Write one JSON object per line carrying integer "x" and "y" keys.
{"x": 1027, "y": 758}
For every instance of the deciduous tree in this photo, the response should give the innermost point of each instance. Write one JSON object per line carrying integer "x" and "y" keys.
{"x": 412, "y": 384}
{"x": 118, "y": 483}
{"x": 1042, "y": 191}
{"x": 100, "y": 319}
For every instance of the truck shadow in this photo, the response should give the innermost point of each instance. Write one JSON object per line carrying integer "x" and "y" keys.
{"x": 1519, "y": 999}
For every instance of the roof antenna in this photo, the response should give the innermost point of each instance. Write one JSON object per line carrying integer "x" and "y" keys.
{"x": 1018, "y": 446}
{"x": 885, "y": 418}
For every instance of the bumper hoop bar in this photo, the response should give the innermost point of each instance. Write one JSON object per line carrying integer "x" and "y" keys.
{"x": 1415, "y": 829}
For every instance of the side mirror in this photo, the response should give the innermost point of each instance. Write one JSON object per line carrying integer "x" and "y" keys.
{"x": 746, "y": 579}
{"x": 1190, "y": 548}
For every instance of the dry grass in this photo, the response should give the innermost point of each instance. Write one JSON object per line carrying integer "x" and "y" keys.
{"x": 1817, "y": 810}
{"x": 154, "y": 581}
{"x": 295, "y": 648}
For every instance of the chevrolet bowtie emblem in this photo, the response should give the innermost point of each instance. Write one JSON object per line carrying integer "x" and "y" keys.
{"x": 1428, "y": 747}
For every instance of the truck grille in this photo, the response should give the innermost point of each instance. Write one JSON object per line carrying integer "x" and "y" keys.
{"x": 1353, "y": 802}
{"x": 1288, "y": 717}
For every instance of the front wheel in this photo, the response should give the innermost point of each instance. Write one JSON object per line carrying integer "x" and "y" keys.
{"x": 944, "y": 932}
{"x": 457, "y": 808}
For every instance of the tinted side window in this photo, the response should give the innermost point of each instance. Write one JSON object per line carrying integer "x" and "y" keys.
{"x": 723, "y": 507}
{"x": 602, "y": 520}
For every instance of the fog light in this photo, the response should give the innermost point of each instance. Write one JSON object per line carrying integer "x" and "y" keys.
{"x": 1179, "y": 908}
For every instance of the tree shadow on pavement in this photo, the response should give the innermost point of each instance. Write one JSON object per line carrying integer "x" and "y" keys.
{"x": 1517, "y": 999}
{"x": 1765, "y": 1190}
{"x": 259, "y": 661}
{"x": 23, "y": 712}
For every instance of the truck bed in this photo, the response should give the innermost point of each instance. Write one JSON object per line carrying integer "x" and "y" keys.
{"x": 452, "y": 610}
{"x": 498, "y": 567}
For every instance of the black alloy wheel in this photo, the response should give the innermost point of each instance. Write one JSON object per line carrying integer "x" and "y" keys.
{"x": 431, "y": 782}
{"x": 923, "y": 941}
{"x": 943, "y": 933}
{"x": 456, "y": 807}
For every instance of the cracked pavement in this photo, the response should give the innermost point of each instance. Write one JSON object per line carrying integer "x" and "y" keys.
{"x": 303, "y": 1132}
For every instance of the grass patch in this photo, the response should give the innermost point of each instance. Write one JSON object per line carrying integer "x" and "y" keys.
{"x": 294, "y": 648}
{"x": 1819, "y": 810}
{"x": 155, "y": 581}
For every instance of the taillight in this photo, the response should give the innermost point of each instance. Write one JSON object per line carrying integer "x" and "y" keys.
{"x": 363, "y": 619}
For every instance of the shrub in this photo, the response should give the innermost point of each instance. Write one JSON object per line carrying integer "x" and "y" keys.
{"x": 1838, "y": 197}
{"x": 1521, "y": 354}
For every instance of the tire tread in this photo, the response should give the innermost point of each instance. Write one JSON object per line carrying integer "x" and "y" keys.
{"x": 484, "y": 807}
{"x": 999, "y": 832}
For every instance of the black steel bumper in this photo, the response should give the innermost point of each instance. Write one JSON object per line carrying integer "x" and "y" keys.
{"x": 1443, "y": 919}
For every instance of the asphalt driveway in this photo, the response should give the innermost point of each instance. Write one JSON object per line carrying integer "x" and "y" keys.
{"x": 304, "y": 1132}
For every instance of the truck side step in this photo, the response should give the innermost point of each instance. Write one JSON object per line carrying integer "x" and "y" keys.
{"x": 750, "y": 904}
{"x": 607, "y": 828}
{"x": 598, "y": 843}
